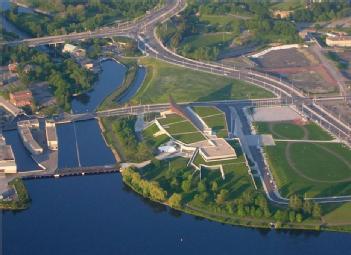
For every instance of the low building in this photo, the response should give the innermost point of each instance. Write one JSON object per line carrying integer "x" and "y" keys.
{"x": 12, "y": 67}
{"x": 282, "y": 14}
{"x": 69, "y": 48}
{"x": 338, "y": 41}
{"x": 51, "y": 135}
{"x": 7, "y": 160}
{"x": 217, "y": 149}
{"x": 21, "y": 98}
{"x": 24, "y": 129}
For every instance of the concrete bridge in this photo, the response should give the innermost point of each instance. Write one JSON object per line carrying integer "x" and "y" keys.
{"x": 74, "y": 171}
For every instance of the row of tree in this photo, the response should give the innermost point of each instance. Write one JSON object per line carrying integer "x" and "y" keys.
{"x": 69, "y": 16}
{"x": 147, "y": 188}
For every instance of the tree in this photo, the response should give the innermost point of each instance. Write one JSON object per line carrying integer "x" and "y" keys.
{"x": 317, "y": 211}
{"x": 292, "y": 216}
{"x": 214, "y": 186}
{"x": 186, "y": 185}
{"x": 222, "y": 197}
{"x": 295, "y": 203}
{"x": 299, "y": 217}
{"x": 201, "y": 187}
{"x": 307, "y": 207}
{"x": 175, "y": 200}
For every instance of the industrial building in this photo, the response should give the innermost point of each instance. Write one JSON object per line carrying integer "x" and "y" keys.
{"x": 24, "y": 129}
{"x": 51, "y": 135}
{"x": 338, "y": 41}
{"x": 7, "y": 158}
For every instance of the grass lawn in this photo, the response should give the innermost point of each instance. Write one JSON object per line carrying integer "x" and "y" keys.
{"x": 337, "y": 213}
{"x": 317, "y": 170}
{"x": 288, "y": 5}
{"x": 181, "y": 129}
{"x": 186, "y": 85}
{"x": 289, "y": 130}
{"x": 152, "y": 141}
{"x": 189, "y": 138}
{"x": 171, "y": 173}
{"x": 219, "y": 39}
{"x": 217, "y": 20}
{"x": 214, "y": 119}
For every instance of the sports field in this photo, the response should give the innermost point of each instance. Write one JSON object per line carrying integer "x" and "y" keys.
{"x": 181, "y": 129}
{"x": 290, "y": 130}
{"x": 214, "y": 119}
{"x": 311, "y": 169}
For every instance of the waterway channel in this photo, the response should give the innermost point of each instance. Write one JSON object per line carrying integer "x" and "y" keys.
{"x": 99, "y": 215}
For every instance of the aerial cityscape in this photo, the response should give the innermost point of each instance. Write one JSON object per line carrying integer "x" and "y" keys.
{"x": 175, "y": 126}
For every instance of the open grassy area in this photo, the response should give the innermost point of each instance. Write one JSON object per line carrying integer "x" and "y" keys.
{"x": 338, "y": 213}
{"x": 217, "y": 20}
{"x": 288, "y": 5}
{"x": 187, "y": 85}
{"x": 219, "y": 39}
{"x": 214, "y": 119}
{"x": 181, "y": 129}
{"x": 152, "y": 141}
{"x": 289, "y": 130}
{"x": 309, "y": 169}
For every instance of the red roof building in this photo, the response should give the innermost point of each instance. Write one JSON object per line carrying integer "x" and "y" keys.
{"x": 21, "y": 98}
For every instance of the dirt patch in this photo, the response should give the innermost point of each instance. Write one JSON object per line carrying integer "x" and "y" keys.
{"x": 340, "y": 109}
{"x": 286, "y": 58}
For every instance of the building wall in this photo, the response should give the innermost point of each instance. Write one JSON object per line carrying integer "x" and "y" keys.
{"x": 338, "y": 43}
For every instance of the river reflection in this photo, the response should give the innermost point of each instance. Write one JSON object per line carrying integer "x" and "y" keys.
{"x": 99, "y": 215}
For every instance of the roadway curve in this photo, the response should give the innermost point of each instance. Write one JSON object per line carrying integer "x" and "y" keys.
{"x": 143, "y": 30}
{"x": 155, "y": 48}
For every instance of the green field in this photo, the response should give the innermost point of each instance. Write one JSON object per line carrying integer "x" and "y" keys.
{"x": 214, "y": 119}
{"x": 310, "y": 169}
{"x": 207, "y": 40}
{"x": 181, "y": 129}
{"x": 288, "y": 5}
{"x": 218, "y": 20}
{"x": 289, "y": 130}
{"x": 151, "y": 141}
{"x": 187, "y": 85}
{"x": 338, "y": 213}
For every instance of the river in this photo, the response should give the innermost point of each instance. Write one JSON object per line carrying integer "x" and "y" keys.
{"x": 99, "y": 215}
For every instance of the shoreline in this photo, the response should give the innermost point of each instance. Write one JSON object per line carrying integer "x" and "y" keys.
{"x": 247, "y": 222}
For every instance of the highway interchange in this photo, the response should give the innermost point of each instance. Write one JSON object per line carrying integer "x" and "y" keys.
{"x": 143, "y": 30}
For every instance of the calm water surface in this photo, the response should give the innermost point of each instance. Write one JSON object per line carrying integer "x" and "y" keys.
{"x": 110, "y": 79}
{"x": 98, "y": 215}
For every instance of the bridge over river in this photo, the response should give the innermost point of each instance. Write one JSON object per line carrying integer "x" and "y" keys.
{"x": 74, "y": 171}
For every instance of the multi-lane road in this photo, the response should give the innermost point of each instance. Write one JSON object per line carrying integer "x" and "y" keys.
{"x": 143, "y": 30}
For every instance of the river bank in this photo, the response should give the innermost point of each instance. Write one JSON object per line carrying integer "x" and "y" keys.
{"x": 221, "y": 216}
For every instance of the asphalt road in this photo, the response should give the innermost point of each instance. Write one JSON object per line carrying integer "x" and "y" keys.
{"x": 143, "y": 30}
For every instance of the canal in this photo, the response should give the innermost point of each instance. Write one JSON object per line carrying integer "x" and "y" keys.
{"x": 99, "y": 215}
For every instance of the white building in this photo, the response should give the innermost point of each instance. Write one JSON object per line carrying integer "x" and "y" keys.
{"x": 51, "y": 135}
{"x": 70, "y": 48}
{"x": 7, "y": 160}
